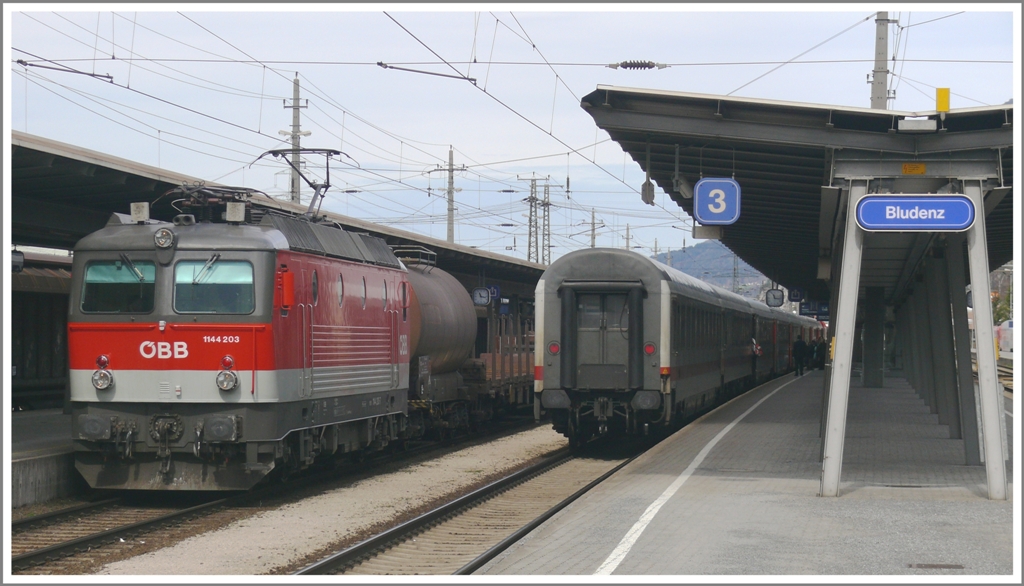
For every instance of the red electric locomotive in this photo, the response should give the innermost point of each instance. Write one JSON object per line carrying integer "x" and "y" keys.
{"x": 205, "y": 354}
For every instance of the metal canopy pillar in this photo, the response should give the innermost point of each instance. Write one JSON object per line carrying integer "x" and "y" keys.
{"x": 955, "y": 271}
{"x": 941, "y": 340}
{"x": 873, "y": 373}
{"x": 842, "y": 361}
{"x": 926, "y": 362}
{"x": 992, "y": 421}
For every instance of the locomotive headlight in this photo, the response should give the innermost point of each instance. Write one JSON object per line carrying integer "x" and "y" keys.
{"x": 102, "y": 379}
{"x": 227, "y": 380}
{"x": 163, "y": 238}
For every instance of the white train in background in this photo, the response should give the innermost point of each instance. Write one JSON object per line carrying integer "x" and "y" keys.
{"x": 1003, "y": 333}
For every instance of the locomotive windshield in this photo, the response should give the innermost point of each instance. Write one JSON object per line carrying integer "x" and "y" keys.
{"x": 214, "y": 286}
{"x": 119, "y": 286}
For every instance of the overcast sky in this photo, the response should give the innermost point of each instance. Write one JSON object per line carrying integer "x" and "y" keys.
{"x": 201, "y": 91}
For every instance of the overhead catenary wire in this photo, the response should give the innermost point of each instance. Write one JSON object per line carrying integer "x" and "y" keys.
{"x": 98, "y": 102}
{"x": 530, "y": 64}
{"x": 325, "y": 118}
{"x": 134, "y": 129}
{"x": 931, "y": 96}
{"x": 160, "y": 132}
{"x": 851, "y": 27}
{"x": 514, "y": 111}
{"x": 227, "y": 89}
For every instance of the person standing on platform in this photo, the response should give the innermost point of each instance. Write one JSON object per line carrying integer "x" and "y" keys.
{"x": 815, "y": 354}
{"x": 799, "y": 355}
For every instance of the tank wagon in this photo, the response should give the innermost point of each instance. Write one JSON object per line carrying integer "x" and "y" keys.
{"x": 207, "y": 353}
{"x": 631, "y": 344}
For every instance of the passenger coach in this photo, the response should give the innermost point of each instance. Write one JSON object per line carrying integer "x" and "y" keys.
{"x": 630, "y": 343}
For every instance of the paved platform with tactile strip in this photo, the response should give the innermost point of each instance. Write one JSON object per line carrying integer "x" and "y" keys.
{"x": 908, "y": 504}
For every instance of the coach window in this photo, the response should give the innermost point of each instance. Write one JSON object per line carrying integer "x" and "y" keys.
{"x": 704, "y": 327}
{"x": 119, "y": 286}
{"x": 214, "y": 286}
{"x": 316, "y": 289}
{"x": 341, "y": 290}
{"x": 698, "y": 337}
{"x": 688, "y": 327}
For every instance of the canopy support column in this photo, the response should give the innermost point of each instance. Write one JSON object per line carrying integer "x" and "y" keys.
{"x": 842, "y": 362}
{"x": 992, "y": 421}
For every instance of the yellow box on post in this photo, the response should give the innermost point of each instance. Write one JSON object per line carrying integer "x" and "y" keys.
{"x": 942, "y": 99}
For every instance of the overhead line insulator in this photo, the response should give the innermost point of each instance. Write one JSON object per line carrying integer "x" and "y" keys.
{"x": 638, "y": 65}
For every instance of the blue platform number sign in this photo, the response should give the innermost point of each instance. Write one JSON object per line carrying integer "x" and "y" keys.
{"x": 716, "y": 201}
{"x": 939, "y": 213}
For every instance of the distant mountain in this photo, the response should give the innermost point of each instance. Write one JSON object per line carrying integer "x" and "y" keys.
{"x": 712, "y": 262}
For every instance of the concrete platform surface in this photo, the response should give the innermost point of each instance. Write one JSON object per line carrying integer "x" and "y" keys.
{"x": 42, "y": 465}
{"x": 40, "y": 431}
{"x": 745, "y": 502}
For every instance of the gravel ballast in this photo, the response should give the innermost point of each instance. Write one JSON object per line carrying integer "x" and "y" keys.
{"x": 283, "y": 539}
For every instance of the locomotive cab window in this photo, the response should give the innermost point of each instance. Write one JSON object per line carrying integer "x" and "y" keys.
{"x": 119, "y": 286}
{"x": 214, "y": 286}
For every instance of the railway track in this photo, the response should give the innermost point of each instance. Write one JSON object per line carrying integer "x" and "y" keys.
{"x": 1003, "y": 372}
{"x": 461, "y": 536}
{"x": 52, "y": 539}
{"x": 57, "y": 542}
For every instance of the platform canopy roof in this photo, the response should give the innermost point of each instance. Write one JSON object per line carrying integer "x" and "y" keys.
{"x": 782, "y": 155}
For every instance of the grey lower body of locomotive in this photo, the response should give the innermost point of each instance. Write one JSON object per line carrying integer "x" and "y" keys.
{"x": 200, "y": 446}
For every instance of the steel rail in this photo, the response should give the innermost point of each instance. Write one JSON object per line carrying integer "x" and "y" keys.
{"x": 69, "y": 547}
{"x": 43, "y": 517}
{"x": 399, "y": 532}
{"x": 504, "y": 544}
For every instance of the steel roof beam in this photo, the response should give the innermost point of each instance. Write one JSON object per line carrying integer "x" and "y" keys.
{"x": 724, "y": 128}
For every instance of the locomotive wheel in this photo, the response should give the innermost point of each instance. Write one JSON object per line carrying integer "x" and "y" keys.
{"x": 578, "y": 436}
{"x": 575, "y": 442}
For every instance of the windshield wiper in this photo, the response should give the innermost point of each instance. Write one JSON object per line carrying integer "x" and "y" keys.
{"x": 135, "y": 270}
{"x": 206, "y": 267}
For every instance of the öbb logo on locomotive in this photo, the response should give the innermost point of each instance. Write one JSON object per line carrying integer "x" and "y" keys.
{"x": 163, "y": 350}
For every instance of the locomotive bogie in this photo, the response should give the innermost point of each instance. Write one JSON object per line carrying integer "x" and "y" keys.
{"x": 177, "y": 446}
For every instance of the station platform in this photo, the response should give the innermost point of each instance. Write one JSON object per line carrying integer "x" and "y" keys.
{"x": 740, "y": 498}
{"x": 42, "y": 466}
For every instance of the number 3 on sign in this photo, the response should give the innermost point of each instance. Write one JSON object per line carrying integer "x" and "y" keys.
{"x": 718, "y": 205}
{"x": 716, "y": 201}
